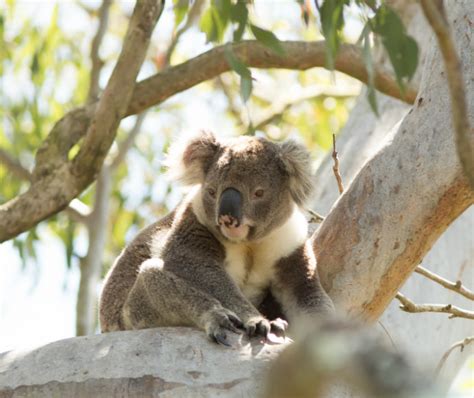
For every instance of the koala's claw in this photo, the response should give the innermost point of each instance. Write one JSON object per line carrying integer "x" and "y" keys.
{"x": 278, "y": 327}
{"x": 221, "y": 321}
{"x": 258, "y": 326}
{"x": 221, "y": 338}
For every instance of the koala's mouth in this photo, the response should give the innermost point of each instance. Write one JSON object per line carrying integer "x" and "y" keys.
{"x": 232, "y": 229}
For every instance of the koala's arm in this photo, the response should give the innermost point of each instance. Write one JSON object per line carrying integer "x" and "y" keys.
{"x": 297, "y": 287}
{"x": 197, "y": 257}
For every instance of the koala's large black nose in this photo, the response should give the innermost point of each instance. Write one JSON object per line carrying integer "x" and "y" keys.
{"x": 230, "y": 208}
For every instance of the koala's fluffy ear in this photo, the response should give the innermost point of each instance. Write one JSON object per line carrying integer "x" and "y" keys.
{"x": 297, "y": 164}
{"x": 189, "y": 161}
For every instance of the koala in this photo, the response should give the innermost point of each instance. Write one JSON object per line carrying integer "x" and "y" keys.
{"x": 233, "y": 255}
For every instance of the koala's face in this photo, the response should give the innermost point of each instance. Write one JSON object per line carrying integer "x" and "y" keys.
{"x": 249, "y": 186}
{"x": 246, "y": 193}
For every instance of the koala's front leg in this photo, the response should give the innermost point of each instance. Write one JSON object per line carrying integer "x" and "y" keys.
{"x": 160, "y": 298}
{"x": 297, "y": 287}
{"x": 210, "y": 276}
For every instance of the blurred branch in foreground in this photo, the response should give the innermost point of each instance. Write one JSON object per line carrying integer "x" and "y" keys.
{"x": 338, "y": 352}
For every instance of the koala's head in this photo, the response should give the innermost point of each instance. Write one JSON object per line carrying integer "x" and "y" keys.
{"x": 249, "y": 186}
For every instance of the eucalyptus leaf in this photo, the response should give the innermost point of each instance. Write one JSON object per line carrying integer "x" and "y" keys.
{"x": 180, "y": 8}
{"x": 243, "y": 71}
{"x": 268, "y": 39}
{"x": 245, "y": 87}
{"x": 332, "y": 22}
{"x": 401, "y": 48}
{"x": 239, "y": 14}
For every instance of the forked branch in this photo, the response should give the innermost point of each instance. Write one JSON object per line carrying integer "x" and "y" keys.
{"x": 457, "y": 286}
{"x": 455, "y": 312}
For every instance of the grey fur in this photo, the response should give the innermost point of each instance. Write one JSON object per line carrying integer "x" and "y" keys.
{"x": 185, "y": 270}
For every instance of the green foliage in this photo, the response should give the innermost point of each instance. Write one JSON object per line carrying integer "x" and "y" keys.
{"x": 385, "y": 24}
{"x": 180, "y": 9}
{"x": 224, "y": 13}
{"x": 243, "y": 71}
{"x": 367, "y": 54}
{"x": 268, "y": 39}
{"x": 239, "y": 15}
{"x": 332, "y": 21}
{"x": 401, "y": 48}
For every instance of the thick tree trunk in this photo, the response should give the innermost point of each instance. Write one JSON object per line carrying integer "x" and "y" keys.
{"x": 413, "y": 188}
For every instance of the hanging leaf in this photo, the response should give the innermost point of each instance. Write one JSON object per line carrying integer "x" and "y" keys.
{"x": 180, "y": 8}
{"x": 401, "y": 48}
{"x": 367, "y": 56}
{"x": 332, "y": 22}
{"x": 246, "y": 87}
{"x": 243, "y": 71}
{"x": 268, "y": 39}
{"x": 239, "y": 14}
{"x": 215, "y": 19}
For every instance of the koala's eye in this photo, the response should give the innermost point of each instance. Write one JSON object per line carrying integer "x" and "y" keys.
{"x": 211, "y": 192}
{"x": 259, "y": 193}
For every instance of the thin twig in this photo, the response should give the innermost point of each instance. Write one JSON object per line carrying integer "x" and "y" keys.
{"x": 335, "y": 168}
{"x": 275, "y": 114}
{"x": 461, "y": 344}
{"x": 436, "y": 16}
{"x": 455, "y": 312}
{"x": 315, "y": 217}
{"x": 457, "y": 287}
{"x": 125, "y": 146}
{"x": 97, "y": 62}
{"x": 14, "y": 166}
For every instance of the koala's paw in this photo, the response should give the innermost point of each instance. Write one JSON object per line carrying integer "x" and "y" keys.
{"x": 220, "y": 322}
{"x": 278, "y": 327}
{"x": 257, "y": 326}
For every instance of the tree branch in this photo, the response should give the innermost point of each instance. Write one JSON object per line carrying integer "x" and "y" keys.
{"x": 116, "y": 97}
{"x": 56, "y": 180}
{"x": 457, "y": 287}
{"x": 409, "y": 306}
{"x": 298, "y": 56}
{"x": 97, "y": 63}
{"x": 435, "y": 14}
{"x": 462, "y": 344}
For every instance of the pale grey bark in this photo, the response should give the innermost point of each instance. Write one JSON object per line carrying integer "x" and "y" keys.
{"x": 164, "y": 362}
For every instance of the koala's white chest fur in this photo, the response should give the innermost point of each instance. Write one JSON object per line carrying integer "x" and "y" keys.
{"x": 252, "y": 266}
